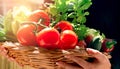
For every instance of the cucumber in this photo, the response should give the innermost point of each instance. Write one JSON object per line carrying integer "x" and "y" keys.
{"x": 95, "y": 44}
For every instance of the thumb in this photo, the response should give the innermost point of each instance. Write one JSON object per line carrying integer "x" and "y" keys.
{"x": 98, "y": 55}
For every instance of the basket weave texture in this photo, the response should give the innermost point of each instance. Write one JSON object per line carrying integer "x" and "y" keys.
{"x": 37, "y": 57}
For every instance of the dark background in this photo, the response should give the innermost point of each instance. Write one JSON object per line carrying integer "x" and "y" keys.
{"x": 105, "y": 16}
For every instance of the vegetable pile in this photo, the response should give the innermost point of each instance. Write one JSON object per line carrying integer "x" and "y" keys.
{"x": 60, "y": 26}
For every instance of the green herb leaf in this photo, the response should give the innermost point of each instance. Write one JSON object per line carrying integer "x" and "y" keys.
{"x": 70, "y": 10}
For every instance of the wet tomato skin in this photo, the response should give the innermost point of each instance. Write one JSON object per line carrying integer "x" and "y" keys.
{"x": 48, "y": 38}
{"x": 64, "y": 25}
{"x": 68, "y": 40}
{"x": 36, "y": 15}
{"x": 26, "y": 35}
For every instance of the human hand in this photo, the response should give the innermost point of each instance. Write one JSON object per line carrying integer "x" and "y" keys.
{"x": 101, "y": 61}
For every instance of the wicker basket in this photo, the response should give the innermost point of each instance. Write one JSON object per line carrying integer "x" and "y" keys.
{"x": 38, "y": 58}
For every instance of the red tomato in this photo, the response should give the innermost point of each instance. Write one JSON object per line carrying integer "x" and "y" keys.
{"x": 88, "y": 38}
{"x": 63, "y": 25}
{"x": 48, "y": 38}
{"x": 26, "y": 35}
{"x": 39, "y": 14}
{"x": 108, "y": 45}
{"x": 82, "y": 44}
{"x": 68, "y": 40}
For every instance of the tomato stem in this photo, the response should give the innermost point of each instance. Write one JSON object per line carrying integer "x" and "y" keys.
{"x": 33, "y": 23}
{"x": 40, "y": 23}
{"x": 110, "y": 44}
{"x": 36, "y": 24}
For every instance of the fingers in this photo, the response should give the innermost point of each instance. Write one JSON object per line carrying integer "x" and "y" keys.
{"x": 67, "y": 66}
{"x": 78, "y": 60}
{"x": 98, "y": 55}
{"x": 101, "y": 61}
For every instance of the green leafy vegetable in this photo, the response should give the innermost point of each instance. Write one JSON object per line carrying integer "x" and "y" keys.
{"x": 13, "y": 19}
{"x": 70, "y": 10}
{"x": 2, "y": 33}
{"x": 81, "y": 31}
{"x": 1, "y": 21}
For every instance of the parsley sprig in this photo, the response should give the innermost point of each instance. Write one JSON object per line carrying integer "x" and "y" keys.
{"x": 70, "y": 10}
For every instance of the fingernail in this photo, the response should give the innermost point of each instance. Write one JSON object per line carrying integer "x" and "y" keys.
{"x": 57, "y": 63}
{"x": 91, "y": 51}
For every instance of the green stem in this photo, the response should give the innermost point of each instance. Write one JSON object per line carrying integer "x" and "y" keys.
{"x": 33, "y": 23}
{"x": 110, "y": 44}
{"x": 40, "y": 23}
